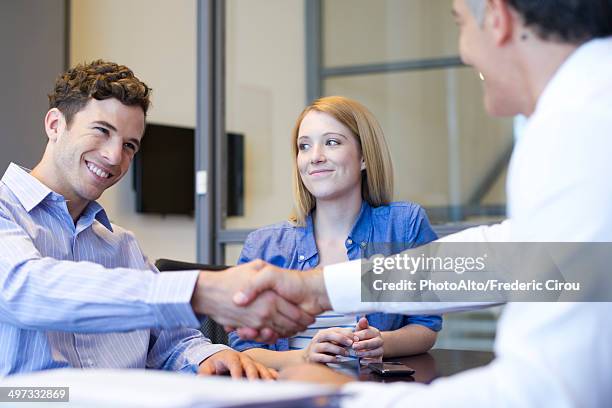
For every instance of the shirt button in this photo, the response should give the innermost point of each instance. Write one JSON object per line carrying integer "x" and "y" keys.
{"x": 301, "y": 257}
{"x": 349, "y": 242}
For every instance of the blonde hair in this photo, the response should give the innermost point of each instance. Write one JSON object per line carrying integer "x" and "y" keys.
{"x": 376, "y": 179}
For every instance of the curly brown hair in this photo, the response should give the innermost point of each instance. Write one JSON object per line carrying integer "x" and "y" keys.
{"x": 99, "y": 80}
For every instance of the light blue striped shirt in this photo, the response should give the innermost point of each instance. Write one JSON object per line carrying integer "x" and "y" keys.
{"x": 84, "y": 295}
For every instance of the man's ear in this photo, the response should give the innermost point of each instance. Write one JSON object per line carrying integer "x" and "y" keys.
{"x": 55, "y": 124}
{"x": 500, "y": 20}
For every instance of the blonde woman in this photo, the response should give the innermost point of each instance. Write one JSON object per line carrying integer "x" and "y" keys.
{"x": 343, "y": 186}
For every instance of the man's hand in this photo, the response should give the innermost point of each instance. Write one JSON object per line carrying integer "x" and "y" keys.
{"x": 327, "y": 344}
{"x": 237, "y": 364}
{"x": 213, "y": 297}
{"x": 315, "y": 373}
{"x": 368, "y": 342}
{"x": 303, "y": 288}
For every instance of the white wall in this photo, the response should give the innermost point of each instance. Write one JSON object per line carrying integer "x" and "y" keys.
{"x": 266, "y": 91}
{"x": 157, "y": 39}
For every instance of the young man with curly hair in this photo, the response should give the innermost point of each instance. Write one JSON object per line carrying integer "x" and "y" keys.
{"x": 76, "y": 290}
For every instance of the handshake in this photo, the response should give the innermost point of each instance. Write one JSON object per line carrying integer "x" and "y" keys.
{"x": 262, "y": 301}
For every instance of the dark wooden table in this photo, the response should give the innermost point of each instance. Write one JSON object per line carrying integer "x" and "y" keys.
{"x": 428, "y": 366}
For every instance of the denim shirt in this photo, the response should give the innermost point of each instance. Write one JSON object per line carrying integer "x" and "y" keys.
{"x": 402, "y": 225}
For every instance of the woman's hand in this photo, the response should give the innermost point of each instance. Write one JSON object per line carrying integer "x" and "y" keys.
{"x": 368, "y": 342}
{"x": 327, "y": 344}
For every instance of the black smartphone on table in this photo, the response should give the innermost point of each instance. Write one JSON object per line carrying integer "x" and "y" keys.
{"x": 391, "y": 368}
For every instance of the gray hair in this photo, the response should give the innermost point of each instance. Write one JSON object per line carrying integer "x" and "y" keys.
{"x": 477, "y": 7}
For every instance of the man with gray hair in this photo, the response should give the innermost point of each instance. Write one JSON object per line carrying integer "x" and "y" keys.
{"x": 552, "y": 62}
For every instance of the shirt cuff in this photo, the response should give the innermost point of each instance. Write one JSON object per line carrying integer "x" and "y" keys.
{"x": 196, "y": 355}
{"x": 170, "y": 299}
{"x": 343, "y": 284}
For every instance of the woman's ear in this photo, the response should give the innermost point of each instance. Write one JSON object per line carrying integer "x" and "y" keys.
{"x": 55, "y": 124}
{"x": 363, "y": 165}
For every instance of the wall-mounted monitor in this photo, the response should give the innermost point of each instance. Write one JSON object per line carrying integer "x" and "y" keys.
{"x": 164, "y": 171}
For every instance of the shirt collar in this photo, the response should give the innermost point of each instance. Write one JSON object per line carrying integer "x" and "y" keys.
{"x": 570, "y": 78}
{"x": 94, "y": 211}
{"x": 31, "y": 192}
{"x": 360, "y": 233}
{"x": 28, "y": 189}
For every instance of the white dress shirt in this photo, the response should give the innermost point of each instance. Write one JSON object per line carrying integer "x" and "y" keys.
{"x": 559, "y": 189}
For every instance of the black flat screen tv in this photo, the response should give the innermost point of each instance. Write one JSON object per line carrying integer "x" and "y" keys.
{"x": 164, "y": 171}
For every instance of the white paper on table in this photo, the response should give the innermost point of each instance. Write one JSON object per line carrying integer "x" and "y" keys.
{"x": 151, "y": 388}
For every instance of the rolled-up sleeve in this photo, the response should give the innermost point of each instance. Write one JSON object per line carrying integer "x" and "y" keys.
{"x": 180, "y": 350}
{"x": 433, "y": 322}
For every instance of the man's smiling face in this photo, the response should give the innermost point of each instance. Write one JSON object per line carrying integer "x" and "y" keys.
{"x": 484, "y": 43}
{"x": 96, "y": 149}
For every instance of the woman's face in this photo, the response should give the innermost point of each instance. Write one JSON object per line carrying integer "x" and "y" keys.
{"x": 329, "y": 157}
